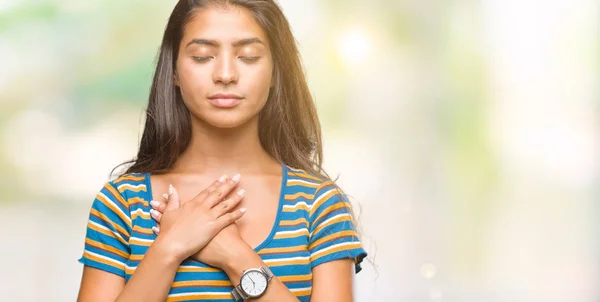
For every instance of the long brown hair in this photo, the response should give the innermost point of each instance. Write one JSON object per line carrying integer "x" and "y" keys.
{"x": 289, "y": 128}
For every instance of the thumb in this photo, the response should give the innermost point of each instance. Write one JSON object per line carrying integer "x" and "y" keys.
{"x": 173, "y": 199}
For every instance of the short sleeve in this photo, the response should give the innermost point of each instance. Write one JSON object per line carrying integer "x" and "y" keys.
{"x": 108, "y": 230}
{"x": 333, "y": 234}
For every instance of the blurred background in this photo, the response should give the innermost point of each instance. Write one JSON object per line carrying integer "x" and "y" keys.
{"x": 467, "y": 134}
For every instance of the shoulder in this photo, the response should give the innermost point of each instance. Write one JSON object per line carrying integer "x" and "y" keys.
{"x": 131, "y": 182}
{"x": 315, "y": 187}
{"x": 122, "y": 190}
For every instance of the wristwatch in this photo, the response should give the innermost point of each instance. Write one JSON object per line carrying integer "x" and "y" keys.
{"x": 253, "y": 283}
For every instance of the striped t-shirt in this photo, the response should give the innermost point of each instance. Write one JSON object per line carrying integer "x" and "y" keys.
{"x": 314, "y": 225}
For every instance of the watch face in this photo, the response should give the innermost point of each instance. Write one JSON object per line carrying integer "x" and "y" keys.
{"x": 254, "y": 283}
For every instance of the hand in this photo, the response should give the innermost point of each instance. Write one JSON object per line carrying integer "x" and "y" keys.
{"x": 188, "y": 227}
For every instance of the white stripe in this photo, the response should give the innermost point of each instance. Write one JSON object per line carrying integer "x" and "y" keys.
{"x": 117, "y": 207}
{"x": 300, "y": 289}
{"x": 291, "y": 232}
{"x": 295, "y": 206}
{"x": 302, "y": 181}
{"x": 285, "y": 259}
{"x": 198, "y": 293}
{"x": 297, "y": 170}
{"x": 140, "y": 211}
{"x": 141, "y": 239}
{"x": 328, "y": 220}
{"x": 119, "y": 263}
{"x": 320, "y": 198}
{"x": 314, "y": 255}
{"x": 105, "y": 228}
{"x": 130, "y": 186}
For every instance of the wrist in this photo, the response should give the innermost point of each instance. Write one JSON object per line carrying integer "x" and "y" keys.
{"x": 168, "y": 252}
{"x": 241, "y": 259}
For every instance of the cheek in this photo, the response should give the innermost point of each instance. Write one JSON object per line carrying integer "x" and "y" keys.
{"x": 192, "y": 79}
{"x": 261, "y": 82}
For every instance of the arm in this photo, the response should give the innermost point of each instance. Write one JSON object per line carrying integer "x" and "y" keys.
{"x": 332, "y": 281}
{"x": 107, "y": 250}
{"x": 158, "y": 268}
{"x": 247, "y": 258}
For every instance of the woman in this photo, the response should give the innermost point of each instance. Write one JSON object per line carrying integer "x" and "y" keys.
{"x": 230, "y": 166}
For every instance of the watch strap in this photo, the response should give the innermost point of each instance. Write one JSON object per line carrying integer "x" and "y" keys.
{"x": 238, "y": 293}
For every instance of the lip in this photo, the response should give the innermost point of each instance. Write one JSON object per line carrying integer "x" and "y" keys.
{"x": 223, "y": 100}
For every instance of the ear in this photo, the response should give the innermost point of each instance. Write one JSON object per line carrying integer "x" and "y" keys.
{"x": 176, "y": 78}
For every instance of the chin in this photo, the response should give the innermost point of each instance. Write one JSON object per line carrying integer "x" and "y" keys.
{"x": 227, "y": 121}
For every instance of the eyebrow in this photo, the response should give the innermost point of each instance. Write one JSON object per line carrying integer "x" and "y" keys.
{"x": 214, "y": 43}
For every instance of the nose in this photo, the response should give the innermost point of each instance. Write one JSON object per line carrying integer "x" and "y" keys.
{"x": 225, "y": 71}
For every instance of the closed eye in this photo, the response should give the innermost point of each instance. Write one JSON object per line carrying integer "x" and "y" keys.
{"x": 250, "y": 59}
{"x": 201, "y": 59}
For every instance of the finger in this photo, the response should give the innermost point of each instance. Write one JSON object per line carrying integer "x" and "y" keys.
{"x": 173, "y": 199}
{"x": 229, "y": 218}
{"x": 159, "y": 206}
{"x": 202, "y": 195}
{"x": 156, "y": 215}
{"x": 156, "y": 230}
{"x": 228, "y": 204}
{"x": 220, "y": 192}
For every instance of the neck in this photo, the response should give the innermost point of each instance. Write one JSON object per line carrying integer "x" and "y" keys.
{"x": 224, "y": 151}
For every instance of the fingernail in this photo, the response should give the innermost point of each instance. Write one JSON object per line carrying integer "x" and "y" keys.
{"x": 154, "y": 213}
{"x": 243, "y": 210}
{"x": 166, "y": 196}
{"x": 155, "y": 230}
{"x": 236, "y": 178}
{"x": 223, "y": 178}
{"x": 241, "y": 192}
{"x": 154, "y": 203}
{"x": 170, "y": 189}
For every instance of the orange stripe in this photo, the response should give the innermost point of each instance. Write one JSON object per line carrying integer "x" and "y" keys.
{"x": 332, "y": 237}
{"x": 339, "y": 219}
{"x": 105, "y": 247}
{"x": 129, "y": 177}
{"x": 302, "y": 293}
{"x": 354, "y": 245}
{"x": 294, "y": 222}
{"x": 197, "y": 269}
{"x": 117, "y": 196}
{"x": 294, "y": 182}
{"x": 289, "y": 262}
{"x": 103, "y": 261}
{"x": 277, "y": 250}
{"x": 322, "y": 199}
{"x": 336, "y": 206}
{"x": 194, "y": 297}
{"x": 106, "y": 232}
{"x": 136, "y": 200}
{"x": 115, "y": 209}
{"x": 291, "y": 197}
{"x": 202, "y": 283}
{"x": 295, "y": 278}
{"x": 105, "y": 219}
{"x": 303, "y": 174}
{"x": 142, "y": 230}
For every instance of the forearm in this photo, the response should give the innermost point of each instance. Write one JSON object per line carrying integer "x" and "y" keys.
{"x": 153, "y": 277}
{"x": 276, "y": 290}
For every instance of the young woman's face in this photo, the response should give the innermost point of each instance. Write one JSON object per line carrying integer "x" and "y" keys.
{"x": 224, "y": 66}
